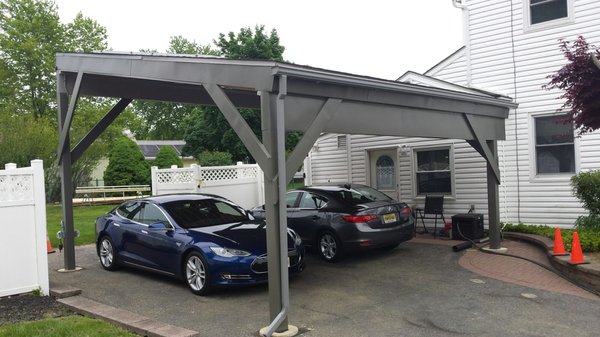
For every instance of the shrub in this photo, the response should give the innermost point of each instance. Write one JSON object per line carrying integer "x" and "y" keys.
{"x": 588, "y": 238}
{"x": 126, "y": 165}
{"x": 586, "y": 187}
{"x": 166, "y": 157}
{"x": 214, "y": 158}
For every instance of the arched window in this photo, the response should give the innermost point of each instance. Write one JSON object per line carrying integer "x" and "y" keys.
{"x": 386, "y": 178}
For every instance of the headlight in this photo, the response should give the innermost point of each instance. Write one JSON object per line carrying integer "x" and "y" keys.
{"x": 229, "y": 252}
{"x": 295, "y": 236}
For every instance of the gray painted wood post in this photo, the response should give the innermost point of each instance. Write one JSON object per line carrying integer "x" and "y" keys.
{"x": 66, "y": 176}
{"x": 493, "y": 198}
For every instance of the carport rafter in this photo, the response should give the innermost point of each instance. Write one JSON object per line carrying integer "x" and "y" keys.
{"x": 292, "y": 98}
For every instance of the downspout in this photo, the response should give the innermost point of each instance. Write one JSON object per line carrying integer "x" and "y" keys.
{"x": 466, "y": 36}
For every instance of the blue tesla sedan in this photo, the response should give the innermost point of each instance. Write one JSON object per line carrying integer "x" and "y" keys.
{"x": 206, "y": 240}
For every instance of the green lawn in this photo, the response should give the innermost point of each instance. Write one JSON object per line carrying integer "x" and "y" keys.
{"x": 84, "y": 218}
{"x": 68, "y": 326}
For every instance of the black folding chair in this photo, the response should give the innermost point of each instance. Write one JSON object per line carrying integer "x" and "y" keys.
{"x": 434, "y": 208}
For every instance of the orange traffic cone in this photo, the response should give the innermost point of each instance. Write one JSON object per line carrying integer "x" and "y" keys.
{"x": 49, "y": 248}
{"x": 576, "y": 254}
{"x": 559, "y": 247}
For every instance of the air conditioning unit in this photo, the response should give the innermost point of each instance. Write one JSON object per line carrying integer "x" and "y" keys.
{"x": 470, "y": 225}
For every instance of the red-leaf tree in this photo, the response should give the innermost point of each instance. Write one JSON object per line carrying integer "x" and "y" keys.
{"x": 580, "y": 82}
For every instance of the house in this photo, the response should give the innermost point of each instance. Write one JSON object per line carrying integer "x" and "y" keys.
{"x": 511, "y": 46}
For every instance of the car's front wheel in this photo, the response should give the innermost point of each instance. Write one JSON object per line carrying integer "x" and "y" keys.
{"x": 330, "y": 247}
{"x": 196, "y": 274}
{"x": 107, "y": 253}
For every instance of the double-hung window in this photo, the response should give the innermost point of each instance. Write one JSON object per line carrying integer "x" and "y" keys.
{"x": 554, "y": 145}
{"x": 541, "y": 11}
{"x": 433, "y": 171}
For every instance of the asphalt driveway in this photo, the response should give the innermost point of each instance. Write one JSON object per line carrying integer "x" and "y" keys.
{"x": 413, "y": 290}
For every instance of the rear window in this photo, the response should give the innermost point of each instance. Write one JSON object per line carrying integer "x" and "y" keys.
{"x": 203, "y": 213}
{"x": 361, "y": 194}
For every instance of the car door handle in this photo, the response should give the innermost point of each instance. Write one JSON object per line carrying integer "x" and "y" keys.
{"x": 316, "y": 217}
{"x": 144, "y": 231}
{"x": 116, "y": 224}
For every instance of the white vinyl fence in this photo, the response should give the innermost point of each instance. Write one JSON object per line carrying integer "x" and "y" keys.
{"x": 23, "y": 255}
{"x": 241, "y": 183}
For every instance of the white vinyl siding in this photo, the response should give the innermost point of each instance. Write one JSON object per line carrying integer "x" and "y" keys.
{"x": 524, "y": 197}
{"x": 328, "y": 161}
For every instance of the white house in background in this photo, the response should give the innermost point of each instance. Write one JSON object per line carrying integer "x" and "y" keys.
{"x": 149, "y": 148}
{"x": 511, "y": 46}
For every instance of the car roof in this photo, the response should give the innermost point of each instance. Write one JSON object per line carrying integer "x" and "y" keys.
{"x": 331, "y": 187}
{"x": 165, "y": 198}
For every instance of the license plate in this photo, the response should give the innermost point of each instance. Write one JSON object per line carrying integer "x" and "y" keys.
{"x": 389, "y": 217}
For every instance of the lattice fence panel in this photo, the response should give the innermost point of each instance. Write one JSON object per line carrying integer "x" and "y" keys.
{"x": 181, "y": 177}
{"x": 17, "y": 187}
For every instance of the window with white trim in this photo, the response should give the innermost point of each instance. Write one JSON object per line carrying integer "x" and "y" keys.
{"x": 541, "y": 11}
{"x": 433, "y": 173}
{"x": 554, "y": 145}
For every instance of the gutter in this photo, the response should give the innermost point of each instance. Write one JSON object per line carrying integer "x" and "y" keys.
{"x": 466, "y": 36}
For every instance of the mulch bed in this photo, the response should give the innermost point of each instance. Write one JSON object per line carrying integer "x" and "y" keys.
{"x": 28, "y": 307}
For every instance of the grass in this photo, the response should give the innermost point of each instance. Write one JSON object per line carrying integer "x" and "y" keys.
{"x": 84, "y": 219}
{"x": 68, "y": 326}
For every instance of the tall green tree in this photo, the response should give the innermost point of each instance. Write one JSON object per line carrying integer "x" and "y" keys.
{"x": 209, "y": 130}
{"x": 30, "y": 36}
{"x": 126, "y": 165}
{"x": 163, "y": 120}
{"x": 166, "y": 157}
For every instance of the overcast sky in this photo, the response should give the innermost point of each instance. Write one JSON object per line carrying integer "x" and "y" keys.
{"x": 375, "y": 38}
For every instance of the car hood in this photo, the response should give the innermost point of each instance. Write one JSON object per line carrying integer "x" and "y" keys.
{"x": 249, "y": 235}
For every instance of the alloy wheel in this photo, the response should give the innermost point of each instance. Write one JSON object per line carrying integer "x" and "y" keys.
{"x": 195, "y": 273}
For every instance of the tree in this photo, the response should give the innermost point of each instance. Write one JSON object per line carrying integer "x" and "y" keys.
{"x": 580, "y": 81}
{"x": 163, "y": 120}
{"x": 214, "y": 158}
{"x": 209, "y": 130}
{"x": 126, "y": 165}
{"x": 166, "y": 157}
{"x": 30, "y": 36}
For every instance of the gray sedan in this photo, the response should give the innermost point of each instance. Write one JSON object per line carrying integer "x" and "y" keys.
{"x": 337, "y": 219}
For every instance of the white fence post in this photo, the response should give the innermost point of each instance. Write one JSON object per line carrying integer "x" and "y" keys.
{"x": 154, "y": 176}
{"x": 39, "y": 204}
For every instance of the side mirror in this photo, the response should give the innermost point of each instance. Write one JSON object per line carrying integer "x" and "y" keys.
{"x": 157, "y": 225}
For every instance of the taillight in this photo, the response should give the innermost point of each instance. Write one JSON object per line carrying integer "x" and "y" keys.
{"x": 359, "y": 218}
{"x": 405, "y": 212}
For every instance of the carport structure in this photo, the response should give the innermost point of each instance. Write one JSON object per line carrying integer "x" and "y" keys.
{"x": 290, "y": 98}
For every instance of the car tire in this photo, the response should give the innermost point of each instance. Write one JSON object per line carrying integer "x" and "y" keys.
{"x": 329, "y": 247}
{"x": 107, "y": 253}
{"x": 196, "y": 274}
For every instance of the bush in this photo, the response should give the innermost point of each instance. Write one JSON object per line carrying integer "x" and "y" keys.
{"x": 166, "y": 157}
{"x": 586, "y": 187}
{"x": 214, "y": 158}
{"x": 588, "y": 238}
{"x": 126, "y": 165}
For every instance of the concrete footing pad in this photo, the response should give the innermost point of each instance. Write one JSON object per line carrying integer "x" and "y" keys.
{"x": 496, "y": 250}
{"x": 290, "y": 332}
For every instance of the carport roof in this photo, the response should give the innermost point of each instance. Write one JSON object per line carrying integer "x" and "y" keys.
{"x": 407, "y": 109}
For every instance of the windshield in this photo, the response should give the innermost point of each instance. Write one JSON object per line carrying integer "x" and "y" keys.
{"x": 203, "y": 213}
{"x": 361, "y": 194}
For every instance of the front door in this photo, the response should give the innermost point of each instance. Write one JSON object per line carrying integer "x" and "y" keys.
{"x": 383, "y": 166}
